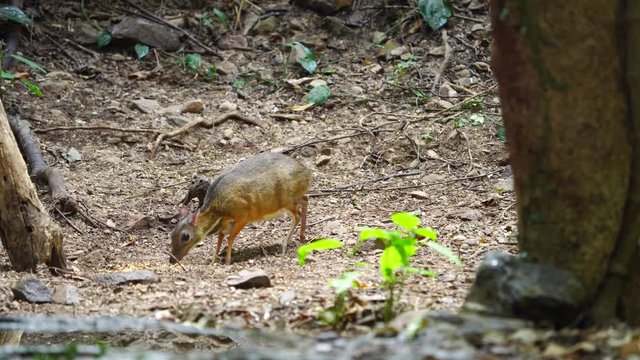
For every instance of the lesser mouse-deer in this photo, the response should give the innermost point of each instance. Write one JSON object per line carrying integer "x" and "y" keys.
{"x": 258, "y": 188}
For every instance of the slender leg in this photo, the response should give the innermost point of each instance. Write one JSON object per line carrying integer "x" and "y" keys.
{"x": 294, "y": 222}
{"x": 232, "y": 236}
{"x": 215, "y": 254}
{"x": 304, "y": 202}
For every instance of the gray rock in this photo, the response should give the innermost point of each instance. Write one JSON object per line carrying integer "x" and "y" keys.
{"x": 56, "y": 86}
{"x": 32, "y": 290}
{"x": 86, "y": 34}
{"x": 510, "y": 286}
{"x": 147, "y": 32}
{"x": 470, "y": 214}
{"x": 447, "y": 91}
{"x": 227, "y": 134}
{"x": 231, "y": 41}
{"x": 228, "y": 106}
{"x": 227, "y": 68}
{"x": 147, "y": 106}
{"x": 66, "y": 295}
{"x": 266, "y": 26}
{"x": 248, "y": 279}
{"x": 325, "y": 7}
{"x": 73, "y": 155}
{"x": 177, "y": 120}
{"x": 287, "y": 297}
{"x": 195, "y": 106}
{"x": 504, "y": 184}
{"x": 127, "y": 277}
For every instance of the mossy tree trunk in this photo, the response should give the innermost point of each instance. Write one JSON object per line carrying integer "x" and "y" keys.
{"x": 568, "y": 73}
{"x": 27, "y": 232}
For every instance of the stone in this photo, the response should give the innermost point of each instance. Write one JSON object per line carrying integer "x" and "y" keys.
{"x": 504, "y": 184}
{"x": 317, "y": 82}
{"x": 463, "y": 73}
{"x": 509, "y": 286}
{"x": 378, "y": 37}
{"x": 266, "y": 26}
{"x": 375, "y": 68}
{"x": 147, "y": 106}
{"x": 469, "y": 214}
{"x": 232, "y": 41}
{"x": 73, "y": 155}
{"x": 32, "y": 290}
{"x": 228, "y": 106}
{"x": 447, "y": 91}
{"x": 127, "y": 277}
{"x": 66, "y": 295}
{"x": 336, "y": 26}
{"x": 323, "y": 160}
{"x": 59, "y": 75}
{"x": 141, "y": 222}
{"x": 193, "y": 106}
{"x": 141, "y": 30}
{"x": 419, "y": 194}
{"x": 56, "y": 86}
{"x": 227, "y": 68}
{"x": 287, "y": 297}
{"x": 85, "y": 34}
{"x": 227, "y": 134}
{"x": 324, "y": 7}
{"x": 177, "y": 120}
{"x": 248, "y": 279}
{"x": 357, "y": 90}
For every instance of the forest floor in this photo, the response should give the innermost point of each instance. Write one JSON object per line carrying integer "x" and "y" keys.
{"x": 441, "y": 156}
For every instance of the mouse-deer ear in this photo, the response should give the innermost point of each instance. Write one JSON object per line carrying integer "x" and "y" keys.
{"x": 183, "y": 211}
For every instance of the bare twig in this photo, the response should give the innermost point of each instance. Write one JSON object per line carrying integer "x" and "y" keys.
{"x": 471, "y": 166}
{"x": 382, "y": 178}
{"x": 286, "y": 116}
{"x": 174, "y": 258}
{"x": 82, "y": 48}
{"x": 68, "y": 221}
{"x": 73, "y": 128}
{"x": 445, "y": 61}
{"x": 199, "y": 122}
{"x": 330, "y": 218}
{"x": 324, "y": 192}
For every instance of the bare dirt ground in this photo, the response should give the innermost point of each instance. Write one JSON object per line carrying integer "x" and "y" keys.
{"x": 119, "y": 184}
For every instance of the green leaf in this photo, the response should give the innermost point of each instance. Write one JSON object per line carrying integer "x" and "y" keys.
{"x": 142, "y": 50}
{"x": 390, "y": 260}
{"x": 436, "y": 13}
{"x": 30, "y": 63}
{"x": 318, "y": 95}
{"x": 222, "y": 18}
{"x": 104, "y": 39}
{"x": 444, "y": 251}
{"x": 501, "y": 133}
{"x": 373, "y": 233}
{"x": 346, "y": 281}
{"x": 318, "y": 245}
{"x": 308, "y": 61}
{"x": 14, "y": 14}
{"x": 476, "y": 119}
{"x": 238, "y": 84}
{"x": 7, "y": 75}
{"x": 427, "y": 233}
{"x": 406, "y": 249}
{"x": 192, "y": 61}
{"x": 423, "y": 272}
{"x": 406, "y": 220}
{"x": 35, "y": 90}
{"x": 212, "y": 70}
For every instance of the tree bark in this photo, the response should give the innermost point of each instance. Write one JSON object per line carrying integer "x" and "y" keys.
{"x": 27, "y": 232}
{"x": 569, "y": 82}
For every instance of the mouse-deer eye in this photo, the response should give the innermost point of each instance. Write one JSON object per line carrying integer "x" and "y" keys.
{"x": 185, "y": 237}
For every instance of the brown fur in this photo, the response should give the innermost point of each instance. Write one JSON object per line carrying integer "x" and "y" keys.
{"x": 256, "y": 189}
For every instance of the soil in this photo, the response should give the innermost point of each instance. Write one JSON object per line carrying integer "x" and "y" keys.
{"x": 453, "y": 185}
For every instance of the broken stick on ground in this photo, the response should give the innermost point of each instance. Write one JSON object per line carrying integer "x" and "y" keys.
{"x": 199, "y": 122}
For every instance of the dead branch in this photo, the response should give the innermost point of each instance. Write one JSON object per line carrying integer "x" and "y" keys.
{"x": 199, "y": 122}
{"x": 311, "y": 142}
{"x": 324, "y": 192}
{"x": 151, "y": 16}
{"x": 92, "y": 128}
{"x": 39, "y": 169}
{"x": 445, "y": 61}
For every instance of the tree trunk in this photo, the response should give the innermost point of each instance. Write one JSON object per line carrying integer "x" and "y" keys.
{"x": 26, "y": 230}
{"x": 568, "y": 73}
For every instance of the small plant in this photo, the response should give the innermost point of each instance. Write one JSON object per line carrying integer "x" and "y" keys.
{"x": 426, "y": 135}
{"x": 216, "y": 14}
{"x": 342, "y": 285}
{"x": 212, "y": 71}
{"x": 191, "y": 61}
{"x": 421, "y": 96}
{"x": 306, "y": 58}
{"x": 436, "y": 13}
{"x": 400, "y": 69}
{"x": 318, "y": 245}
{"x": 400, "y": 247}
{"x": 33, "y": 88}
{"x": 142, "y": 50}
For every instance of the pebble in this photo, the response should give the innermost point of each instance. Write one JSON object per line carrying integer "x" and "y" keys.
{"x": 228, "y": 106}
{"x": 248, "y": 279}
{"x": 32, "y": 290}
{"x": 193, "y": 106}
{"x": 227, "y": 134}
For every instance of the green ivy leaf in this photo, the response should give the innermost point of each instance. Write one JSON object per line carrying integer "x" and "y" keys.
{"x": 29, "y": 63}
{"x": 318, "y": 245}
{"x": 15, "y": 14}
{"x": 436, "y": 13}
{"x": 142, "y": 50}
{"x": 308, "y": 61}
{"x": 406, "y": 220}
{"x": 35, "y": 90}
{"x": 192, "y": 61}
{"x": 444, "y": 251}
{"x": 318, "y": 95}
{"x": 222, "y": 18}
{"x": 346, "y": 281}
{"x": 427, "y": 233}
{"x": 104, "y": 39}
